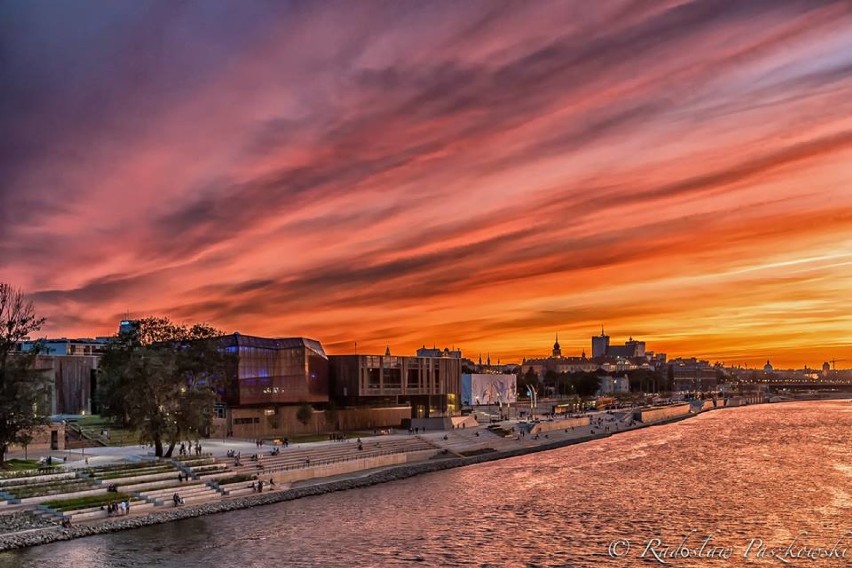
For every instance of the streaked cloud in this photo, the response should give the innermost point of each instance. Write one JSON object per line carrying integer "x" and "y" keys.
{"x": 479, "y": 174}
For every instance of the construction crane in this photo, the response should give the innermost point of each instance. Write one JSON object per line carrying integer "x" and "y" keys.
{"x": 833, "y": 361}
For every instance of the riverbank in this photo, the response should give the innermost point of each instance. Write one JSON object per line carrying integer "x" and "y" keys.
{"x": 36, "y": 537}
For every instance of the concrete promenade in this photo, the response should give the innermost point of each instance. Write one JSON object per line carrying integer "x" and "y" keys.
{"x": 452, "y": 448}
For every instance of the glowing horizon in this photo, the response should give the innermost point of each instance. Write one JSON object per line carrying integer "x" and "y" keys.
{"x": 478, "y": 175}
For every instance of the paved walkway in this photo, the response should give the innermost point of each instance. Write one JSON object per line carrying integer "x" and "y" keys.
{"x": 459, "y": 440}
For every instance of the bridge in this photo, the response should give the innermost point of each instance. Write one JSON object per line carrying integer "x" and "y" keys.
{"x": 843, "y": 385}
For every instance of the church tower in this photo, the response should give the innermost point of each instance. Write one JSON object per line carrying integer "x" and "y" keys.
{"x": 557, "y": 351}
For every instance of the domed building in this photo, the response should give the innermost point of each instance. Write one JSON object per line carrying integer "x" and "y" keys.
{"x": 767, "y": 369}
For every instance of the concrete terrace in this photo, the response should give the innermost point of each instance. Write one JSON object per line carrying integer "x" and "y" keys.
{"x": 80, "y": 487}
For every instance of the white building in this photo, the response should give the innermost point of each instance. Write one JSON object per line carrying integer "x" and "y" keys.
{"x": 612, "y": 385}
{"x": 482, "y": 388}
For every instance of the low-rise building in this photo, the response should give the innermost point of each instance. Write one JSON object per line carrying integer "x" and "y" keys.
{"x": 430, "y": 386}
{"x": 613, "y": 385}
{"x": 693, "y": 375}
{"x": 488, "y": 388}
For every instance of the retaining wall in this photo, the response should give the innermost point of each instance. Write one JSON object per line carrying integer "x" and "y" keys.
{"x": 664, "y": 413}
{"x": 559, "y": 424}
{"x": 348, "y": 466}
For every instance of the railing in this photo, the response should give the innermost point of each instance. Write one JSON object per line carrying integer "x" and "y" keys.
{"x": 338, "y": 459}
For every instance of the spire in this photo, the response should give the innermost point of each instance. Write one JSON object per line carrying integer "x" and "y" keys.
{"x": 387, "y": 351}
{"x": 602, "y": 331}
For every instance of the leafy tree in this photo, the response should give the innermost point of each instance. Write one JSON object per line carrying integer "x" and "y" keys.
{"x": 305, "y": 413}
{"x": 645, "y": 380}
{"x": 585, "y": 384}
{"x": 162, "y": 380}
{"x": 331, "y": 415}
{"x": 550, "y": 377}
{"x": 530, "y": 378}
{"x": 22, "y": 388}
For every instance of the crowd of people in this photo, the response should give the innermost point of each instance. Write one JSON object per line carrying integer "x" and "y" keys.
{"x": 118, "y": 509}
{"x": 185, "y": 449}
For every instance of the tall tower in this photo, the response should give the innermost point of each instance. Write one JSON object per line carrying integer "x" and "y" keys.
{"x": 600, "y": 344}
{"x": 557, "y": 352}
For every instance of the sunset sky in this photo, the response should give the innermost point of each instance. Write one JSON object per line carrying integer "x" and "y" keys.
{"x": 476, "y": 174}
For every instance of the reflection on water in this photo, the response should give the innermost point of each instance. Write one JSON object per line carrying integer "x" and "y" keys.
{"x": 764, "y": 472}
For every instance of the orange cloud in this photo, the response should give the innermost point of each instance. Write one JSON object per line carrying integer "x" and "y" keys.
{"x": 480, "y": 175}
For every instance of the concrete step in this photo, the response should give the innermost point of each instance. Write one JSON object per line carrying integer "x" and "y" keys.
{"x": 193, "y": 498}
{"x": 62, "y": 496}
{"x": 90, "y": 515}
{"x": 169, "y": 491}
{"x": 122, "y": 481}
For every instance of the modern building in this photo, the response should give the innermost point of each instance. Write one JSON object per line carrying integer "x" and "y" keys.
{"x": 277, "y": 371}
{"x": 128, "y": 326}
{"x": 71, "y": 365}
{"x": 430, "y": 386}
{"x": 64, "y": 347}
{"x": 488, "y": 388}
{"x": 693, "y": 375}
{"x": 73, "y": 383}
{"x": 273, "y": 378}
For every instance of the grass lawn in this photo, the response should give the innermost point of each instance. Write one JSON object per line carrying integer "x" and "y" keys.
{"x": 20, "y": 465}
{"x": 93, "y": 425}
{"x": 88, "y": 501}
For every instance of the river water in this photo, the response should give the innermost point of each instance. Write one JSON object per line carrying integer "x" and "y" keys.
{"x": 771, "y": 472}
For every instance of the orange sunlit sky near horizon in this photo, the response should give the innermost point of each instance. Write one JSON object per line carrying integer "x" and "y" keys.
{"x": 471, "y": 174}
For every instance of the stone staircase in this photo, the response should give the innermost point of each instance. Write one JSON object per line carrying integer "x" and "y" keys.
{"x": 334, "y": 452}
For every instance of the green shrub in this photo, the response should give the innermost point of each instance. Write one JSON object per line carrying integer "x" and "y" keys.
{"x": 88, "y": 501}
{"x": 135, "y": 472}
{"x": 236, "y": 478}
{"x": 72, "y": 486}
{"x": 128, "y": 466}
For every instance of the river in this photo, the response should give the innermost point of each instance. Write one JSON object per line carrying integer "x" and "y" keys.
{"x": 760, "y": 475}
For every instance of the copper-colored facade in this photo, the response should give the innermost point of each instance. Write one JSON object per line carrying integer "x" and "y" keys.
{"x": 279, "y": 371}
{"x": 431, "y": 385}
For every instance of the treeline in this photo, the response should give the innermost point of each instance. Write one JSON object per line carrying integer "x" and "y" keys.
{"x": 587, "y": 384}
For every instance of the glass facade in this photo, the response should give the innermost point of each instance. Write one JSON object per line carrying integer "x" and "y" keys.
{"x": 430, "y": 385}
{"x": 285, "y": 371}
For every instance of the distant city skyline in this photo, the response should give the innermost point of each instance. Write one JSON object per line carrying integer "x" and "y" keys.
{"x": 477, "y": 174}
{"x": 495, "y": 358}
